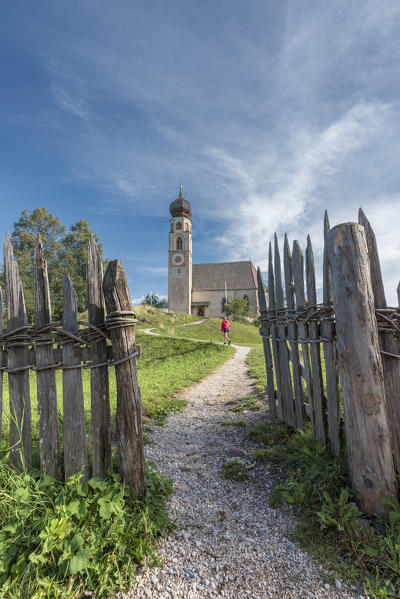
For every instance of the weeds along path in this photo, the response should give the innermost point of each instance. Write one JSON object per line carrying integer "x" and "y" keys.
{"x": 228, "y": 543}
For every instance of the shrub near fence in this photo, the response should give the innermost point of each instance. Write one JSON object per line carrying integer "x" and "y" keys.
{"x": 71, "y": 345}
{"x": 360, "y": 340}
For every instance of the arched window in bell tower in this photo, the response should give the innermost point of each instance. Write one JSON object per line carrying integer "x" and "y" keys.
{"x": 186, "y": 227}
{"x": 179, "y": 244}
{"x": 178, "y": 226}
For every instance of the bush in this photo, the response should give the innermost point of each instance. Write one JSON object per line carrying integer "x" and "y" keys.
{"x": 70, "y": 539}
{"x": 237, "y": 308}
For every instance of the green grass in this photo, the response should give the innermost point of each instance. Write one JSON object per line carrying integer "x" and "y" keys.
{"x": 210, "y": 330}
{"x": 256, "y": 363}
{"x": 248, "y": 403}
{"x": 149, "y": 317}
{"x": 234, "y": 470}
{"x": 233, "y": 423}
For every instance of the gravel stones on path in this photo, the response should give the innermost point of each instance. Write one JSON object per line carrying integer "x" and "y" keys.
{"x": 228, "y": 543}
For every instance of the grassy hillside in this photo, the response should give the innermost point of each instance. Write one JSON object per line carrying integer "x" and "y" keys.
{"x": 210, "y": 330}
{"x": 149, "y": 317}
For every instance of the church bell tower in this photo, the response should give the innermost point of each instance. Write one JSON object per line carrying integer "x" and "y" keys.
{"x": 180, "y": 256}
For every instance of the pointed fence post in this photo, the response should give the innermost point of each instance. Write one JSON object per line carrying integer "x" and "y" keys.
{"x": 298, "y": 278}
{"x": 367, "y": 429}
{"x": 287, "y": 390}
{"x": 292, "y": 334}
{"x": 75, "y": 454}
{"x": 318, "y": 397}
{"x": 18, "y": 365}
{"x": 49, "y": 436}
{"x": 390, "y": 346}
{"x": 331, "y": 365}
{"x": 273, "y": 329}
{"x": 99, "y": 388}
{"x": 264, "y": 331}
{"x": 121, "y": 321}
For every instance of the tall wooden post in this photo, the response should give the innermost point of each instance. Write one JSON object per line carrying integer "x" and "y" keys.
{"x": 292, "y": 333}
{"x": 75, "y": 453}
{"x": 331, "y": 368}
{"x": 50, "y": 461}
{"x": 286, "y": 377}
{"x": 18, "y": 377}
{"x": 121, "y": 322}
{"x": 99, "y": 389}
{"x": 269, "y": 365}
{"x": 388, "y": 343}
{"x": 367, "y": 430}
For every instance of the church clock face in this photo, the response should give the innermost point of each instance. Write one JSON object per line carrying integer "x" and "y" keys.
{"x": 178, "y": 259}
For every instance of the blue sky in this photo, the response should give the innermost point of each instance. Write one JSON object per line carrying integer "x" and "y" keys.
{"x": 268, "y": 112}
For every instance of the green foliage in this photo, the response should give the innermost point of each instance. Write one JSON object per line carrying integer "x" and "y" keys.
{"x": 245, "y": 404}
{"x": 64, "y": 253}
{"x": 152, "y": 299}
{"x": 71, "y": 539}
{"x": 234, "y": 470}
{"x": 329, "y": 522}
{"x": 238, "y": 308}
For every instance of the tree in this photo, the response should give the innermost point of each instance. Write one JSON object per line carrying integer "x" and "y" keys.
{"x": 73, "y": 257}
{"x": 64, "y": 252}
{"x": 23, "y": 239}
{"x": 237, "y": 308}
{"x": 152, "y": 299}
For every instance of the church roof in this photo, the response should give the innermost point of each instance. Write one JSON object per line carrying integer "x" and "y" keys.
{"x": 238, "y": 275}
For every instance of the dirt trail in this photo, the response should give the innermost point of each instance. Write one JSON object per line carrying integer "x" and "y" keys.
{"x": 229, "y": 543}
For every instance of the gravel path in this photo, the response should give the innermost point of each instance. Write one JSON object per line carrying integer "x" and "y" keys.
{"x": 229, "y": 542}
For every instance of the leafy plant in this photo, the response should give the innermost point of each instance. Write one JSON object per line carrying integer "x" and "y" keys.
{"x": 246, "y": 403}
{"x": 329, "y": 522}
{"x": 66, "y": 539}
{"x": 235, "y": 470}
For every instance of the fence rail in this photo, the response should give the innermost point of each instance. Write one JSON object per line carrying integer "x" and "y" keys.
{"x": 352, "y": 333}
{"x": 71, "y": 345}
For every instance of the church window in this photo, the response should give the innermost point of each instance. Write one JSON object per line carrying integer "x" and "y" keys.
{"x": 172, "y": 228}
{"x": 179, "y": 244}
{"x": 246, "y": 297}
{"x": 186, "y": 227}
{"x": 223, "y": 304}
{"x": 178, "y": 226}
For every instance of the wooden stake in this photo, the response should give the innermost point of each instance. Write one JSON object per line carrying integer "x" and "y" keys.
{"x": 49, "y": 435}
{"x": 367, "y": 430}
{"x": 129, "y": 403}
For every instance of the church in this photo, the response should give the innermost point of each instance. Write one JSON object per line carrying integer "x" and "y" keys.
{"x": 202, "y": 289}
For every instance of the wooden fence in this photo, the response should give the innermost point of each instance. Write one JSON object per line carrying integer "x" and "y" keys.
{"x": 350, "y": 335}
{"x": 71, "y": 346}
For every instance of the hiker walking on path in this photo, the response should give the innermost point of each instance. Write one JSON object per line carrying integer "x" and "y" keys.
{"x": 225, "y": 329}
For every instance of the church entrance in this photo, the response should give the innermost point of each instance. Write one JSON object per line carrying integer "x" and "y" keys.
{"x": 200, "y": 312}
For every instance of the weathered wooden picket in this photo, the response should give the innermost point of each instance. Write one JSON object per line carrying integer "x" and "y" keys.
{"x": 358, "y": 337}
{"x": 71, "y": 346}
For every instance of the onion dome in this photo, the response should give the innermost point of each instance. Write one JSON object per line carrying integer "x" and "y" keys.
{"x": 180, "y": 206}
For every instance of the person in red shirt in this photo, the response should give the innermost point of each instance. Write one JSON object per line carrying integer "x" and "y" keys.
{"x": 225, "y": 329}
